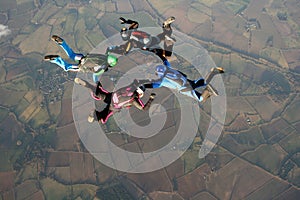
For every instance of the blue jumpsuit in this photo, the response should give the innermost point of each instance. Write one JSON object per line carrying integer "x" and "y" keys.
{"x": 97, "y": 63}
{"x": 176, "y": 80}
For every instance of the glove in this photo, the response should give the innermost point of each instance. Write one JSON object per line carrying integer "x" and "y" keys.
{"x": 110, "y": 48}
{"x": 122, "y": 20}
{"x": 152, "y": 95}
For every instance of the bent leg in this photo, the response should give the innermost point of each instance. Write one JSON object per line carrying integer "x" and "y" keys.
{"x": 61, "y": 42}
{"x": 194, "y": 94}
{"x": 63, "y": 64}
{"x": 104, "y": 115}
{"x": 197, "y": 83}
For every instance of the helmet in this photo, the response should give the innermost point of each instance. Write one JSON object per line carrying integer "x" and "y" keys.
{"x": 112, "y": 60}
{"x": 140, "y": 91}
{"x": 124, "y": 34}
{"x": 160, "y": 70}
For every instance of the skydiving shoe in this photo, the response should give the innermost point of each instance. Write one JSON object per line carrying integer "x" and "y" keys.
{"x": 208, "y": 92}
{"x": 98, "y": 88}
{"x": 57, "y": 39}
{"x": 91, "y": 117}
{"x": 169, "y": 21}
{"x": 152, "y": 95}
{"x": 50, "y": 57}
{"x": 212, "y": 90}
{"x": 213, "y": 72}
{"x": 80, "y": 82}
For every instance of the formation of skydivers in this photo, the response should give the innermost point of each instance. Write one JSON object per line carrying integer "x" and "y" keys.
{"x": 131, "y": 95}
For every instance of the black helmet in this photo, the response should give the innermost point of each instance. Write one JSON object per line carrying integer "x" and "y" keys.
{"x": 124, "y": 34}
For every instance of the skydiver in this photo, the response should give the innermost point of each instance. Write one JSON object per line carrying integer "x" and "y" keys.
{"x": 95, "y": 63}
{"x": 176, "y": 80}
{"x": 122, "y": 98}
{"x": 140, "y": 39}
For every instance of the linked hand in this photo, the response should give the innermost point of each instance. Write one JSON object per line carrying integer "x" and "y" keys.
{"x": 122, "y": 20}
{"x": 152, "y": 95}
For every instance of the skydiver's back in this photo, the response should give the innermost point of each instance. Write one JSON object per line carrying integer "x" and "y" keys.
{"x": 93, "y": 63}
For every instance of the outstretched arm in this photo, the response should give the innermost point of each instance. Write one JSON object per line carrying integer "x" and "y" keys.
{"x": 133, "y": 24}
{"x": 120, "y": 49}
{"x": 140, "y": 105}
{"x": 161, "y": 54}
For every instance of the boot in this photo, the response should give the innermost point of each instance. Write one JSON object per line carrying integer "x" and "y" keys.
{"x": 50, "y": 57}
{"x": 168, "y": 21}
{"x": 57, "y": 39}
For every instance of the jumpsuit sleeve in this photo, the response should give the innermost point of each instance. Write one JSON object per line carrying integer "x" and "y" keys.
{"x": 153, "y": 84}
{"x": 120, "y": 49}
{"x": 133, "y": 24}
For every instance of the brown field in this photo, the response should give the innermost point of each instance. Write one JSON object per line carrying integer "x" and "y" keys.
{"x": 68, "y": 90}
{"x": 36, "y": 196}
{"x": 291, "y": 57}
{"x": 182, "y": 22}
{"x": 117, "y": 139}
{"x": 11, "y": 127}
{"x": 291, "y": 194}
{"x": 10, "y": 97}
{"x": 61, "y": 174}
{"x": 253, "y": 72}
{"x": 26, "y": 189}
{"x": 190, "y": 184}
{"x": 232, "y": 84}
{"x": 218, "y": 160}
{"x": 103, "y": 173}
{"x": 269, "y": 190}
{"x": 66, "y": 116}
{"x": 282, "y": 27}
{"x": 124, "y": 6}
{"x": 277, "y": 126}
{"x": 39, "y": 36}
{"x": 67, "y": 138}
{"x": 291, "y": 143}
{"x": 164, "y": 6}
{"x": 297, "y": 126}
{"x": 6, "y": 181}
{"x": 2, "y": 72}
{"x": 149, "y": 181}
{"x": 8, "y": 195}
{"x": 291, "y": 114}
{"x": 232, "y": 145}
{"x": 236, "y": 180}
{"x": 58, "y": 159}
{"x": 176, "y": 169}
{"x": 268, "y": 157}
{"x": 264, "y": 106}
{"x": 165, "y": 196}
{"x": 203, "y": 195}
{"x": 196, "y": 16}
{"x": 239, "y": 104}
{"x": 157, "y": 141}
{"x": 15, "y": 72}
{"x": 81, "y": 168}
{"x": 255, "y": 7}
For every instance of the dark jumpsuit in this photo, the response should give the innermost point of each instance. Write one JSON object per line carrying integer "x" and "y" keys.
{"x": 122, "y": 98}
{"x": 142, "y": 40}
